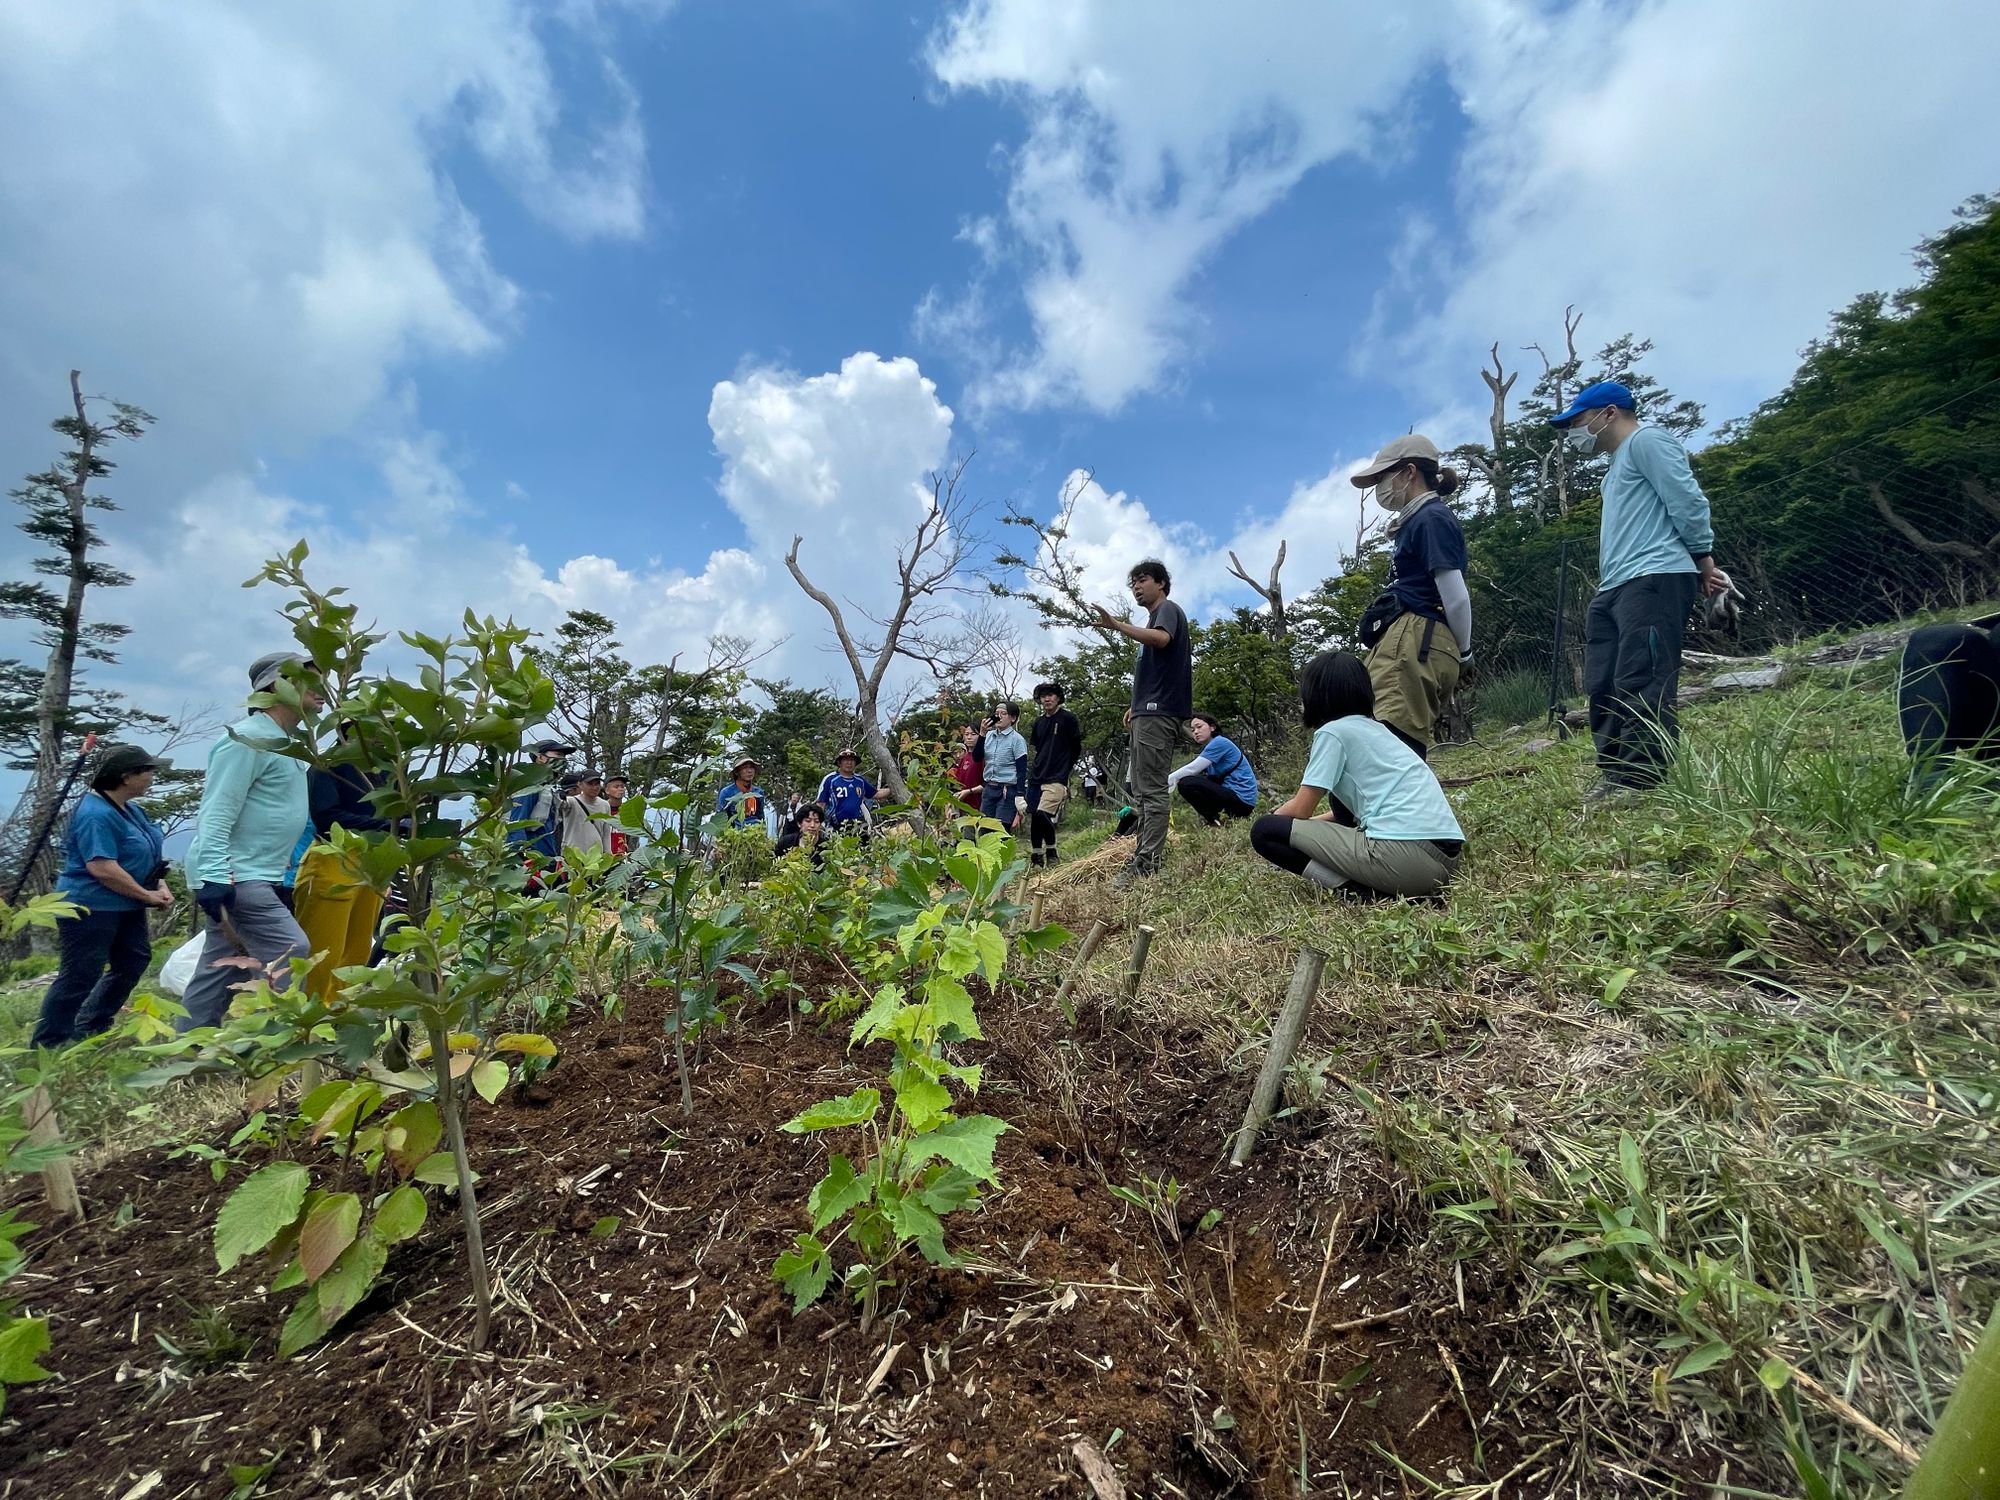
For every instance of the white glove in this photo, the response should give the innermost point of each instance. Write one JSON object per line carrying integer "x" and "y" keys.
{"x": 1021, "y": 806}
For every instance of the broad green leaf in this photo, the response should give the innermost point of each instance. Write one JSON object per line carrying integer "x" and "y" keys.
{"x": 967, "y": 1144}
{"x": 857, "y": 1108}
{"x": 605, "y": 1227}
{"x": 837, "y": 1192}
{"x": 439, "y": 1170}
{"x": 992, "y": 945}
{"x": 804, "y": 1270}
{"x": 1774, "y": 1373}
{"x": 948, "y": 1190}
{"x": 528, "y": 1043}
{"x": 951, "y": 1005}
{"x": 411, "y": 1134}
{"x": 354, "y": 1104}
{"x": 1615, "y": 985}
{"x": 489, "y": 1078}
{"x": 923, "y": 1100}
{"x": 400, "y": 1216}
{"x": 304, "y": 1327}
{"x": 22, "y": 1341}
{"x": 868, "y": 1025}
{"x": 264, "y": 1205}
{"x": 320, "y": 1100}
{"x": 1045, "y": 938}
{"x": 913, "y": 1221}
{"x": 340, "y": 1291}
{"x": 1707, "y": 1357}
{"x": 329, "y": 1229}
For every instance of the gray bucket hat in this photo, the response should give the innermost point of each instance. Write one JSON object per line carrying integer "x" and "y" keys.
{"x": 266, "y": 670}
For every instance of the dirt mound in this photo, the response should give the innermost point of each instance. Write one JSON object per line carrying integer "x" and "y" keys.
{"x": 657, "y": 1356}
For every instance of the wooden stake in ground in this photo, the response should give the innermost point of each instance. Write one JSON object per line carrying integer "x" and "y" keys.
{"x": 1090, "y": 942}
{"x": 1285, "y": 1034}
{"x": 58, "y": 1179}
{"x": 1142, "y": 944}
{"x": 1035, "y": 912}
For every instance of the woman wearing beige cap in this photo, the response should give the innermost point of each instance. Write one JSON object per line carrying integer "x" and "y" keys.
{"x": 1419, "y": 632}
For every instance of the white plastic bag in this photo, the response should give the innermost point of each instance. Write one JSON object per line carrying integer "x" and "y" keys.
{"x": 177, "y": 973}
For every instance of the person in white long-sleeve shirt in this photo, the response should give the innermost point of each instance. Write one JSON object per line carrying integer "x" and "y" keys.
{"x": 1419, "y": 633}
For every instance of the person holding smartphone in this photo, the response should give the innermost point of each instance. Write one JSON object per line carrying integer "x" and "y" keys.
{"x": 1004, "y": 791}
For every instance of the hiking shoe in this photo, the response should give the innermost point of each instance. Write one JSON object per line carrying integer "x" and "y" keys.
{"x": 1130, "y": 876}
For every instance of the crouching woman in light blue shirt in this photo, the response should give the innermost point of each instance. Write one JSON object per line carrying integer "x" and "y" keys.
{"x": 1390, "y": 831}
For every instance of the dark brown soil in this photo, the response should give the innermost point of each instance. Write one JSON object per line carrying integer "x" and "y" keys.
{"x": 662, "y": 1359}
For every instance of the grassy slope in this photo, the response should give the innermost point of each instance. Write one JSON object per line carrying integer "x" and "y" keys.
{"x": 1713, "y": 1076}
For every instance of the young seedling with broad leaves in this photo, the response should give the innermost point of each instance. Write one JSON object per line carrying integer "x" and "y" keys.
{"x": 920, "y": 1159}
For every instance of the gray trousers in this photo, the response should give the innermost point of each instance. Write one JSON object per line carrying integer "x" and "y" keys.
{"x": 1153, "y": 739}
{"x": 1632, "y": 672}
{"x": 268, "y": 930}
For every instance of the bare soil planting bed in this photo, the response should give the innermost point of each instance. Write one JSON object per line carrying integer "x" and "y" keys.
{"x": 661, "y": 1357}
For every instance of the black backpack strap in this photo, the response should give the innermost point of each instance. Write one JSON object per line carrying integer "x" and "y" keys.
{"x": 1430, "y": 629}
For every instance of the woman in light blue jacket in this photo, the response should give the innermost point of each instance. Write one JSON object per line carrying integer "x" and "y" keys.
{"x": 253, "y": 805}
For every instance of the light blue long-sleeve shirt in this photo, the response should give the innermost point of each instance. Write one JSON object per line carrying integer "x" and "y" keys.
{"x": 1655, "y": 516}
{"x": 253, "y": 804}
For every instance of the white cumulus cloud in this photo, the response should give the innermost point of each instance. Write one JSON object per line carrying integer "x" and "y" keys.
{"x": 1154, "y": 133}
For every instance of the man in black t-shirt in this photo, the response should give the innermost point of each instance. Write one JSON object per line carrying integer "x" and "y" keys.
{"x": 1162, "y": 697}
{"x": 1057, "y": 739}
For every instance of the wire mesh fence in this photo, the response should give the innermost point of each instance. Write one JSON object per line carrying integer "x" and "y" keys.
{"x": 1850, "y": 540}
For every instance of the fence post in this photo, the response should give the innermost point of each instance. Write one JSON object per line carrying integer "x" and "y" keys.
{"x": 1090, "y": 942}
{"x": 58, "y": 1177}
{"x": 1556, "y": 648}
{"x": 1286, "y": 1031}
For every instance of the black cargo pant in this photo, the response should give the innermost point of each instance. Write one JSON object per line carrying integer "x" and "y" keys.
{"x": 1632, "y": 671}
{"x": 1948, "y": 692}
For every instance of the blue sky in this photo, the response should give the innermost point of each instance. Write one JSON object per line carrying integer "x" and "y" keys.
{"x": 535, "y": 307}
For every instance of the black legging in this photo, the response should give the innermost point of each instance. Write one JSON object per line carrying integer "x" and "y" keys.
{"x": 1948, "y": 695}
{"x": 1271, "y": 836}
{"x": 1210, "y": 796}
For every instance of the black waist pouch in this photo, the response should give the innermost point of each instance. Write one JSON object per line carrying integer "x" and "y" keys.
{"x": 1377, "y": 618}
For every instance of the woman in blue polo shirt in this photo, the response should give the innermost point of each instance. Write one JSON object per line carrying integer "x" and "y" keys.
{"x": 113, "y": 869}
{"x": 1218, "y": 783}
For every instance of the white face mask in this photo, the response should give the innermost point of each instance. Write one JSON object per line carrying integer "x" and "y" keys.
{"x": 1580, "y": 438}
{"x": 1386, "y": 496}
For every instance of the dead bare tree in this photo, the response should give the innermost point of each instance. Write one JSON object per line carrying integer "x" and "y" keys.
{"x": 1272, "y": 593}
{"x": 1492, "y": 465}
{"x": 1053, "y": 578}
{"x": 56, "y": 500}
{"x": 924, "y": 626}
{"x": 1976, "y": 490}
{"x": 1552, "y": 458}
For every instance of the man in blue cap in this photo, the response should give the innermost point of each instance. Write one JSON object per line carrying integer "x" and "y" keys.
{"x": 1654, "y": 556}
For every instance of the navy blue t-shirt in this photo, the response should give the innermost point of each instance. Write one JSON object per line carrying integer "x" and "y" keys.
{"x": 1431, "y": 541}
